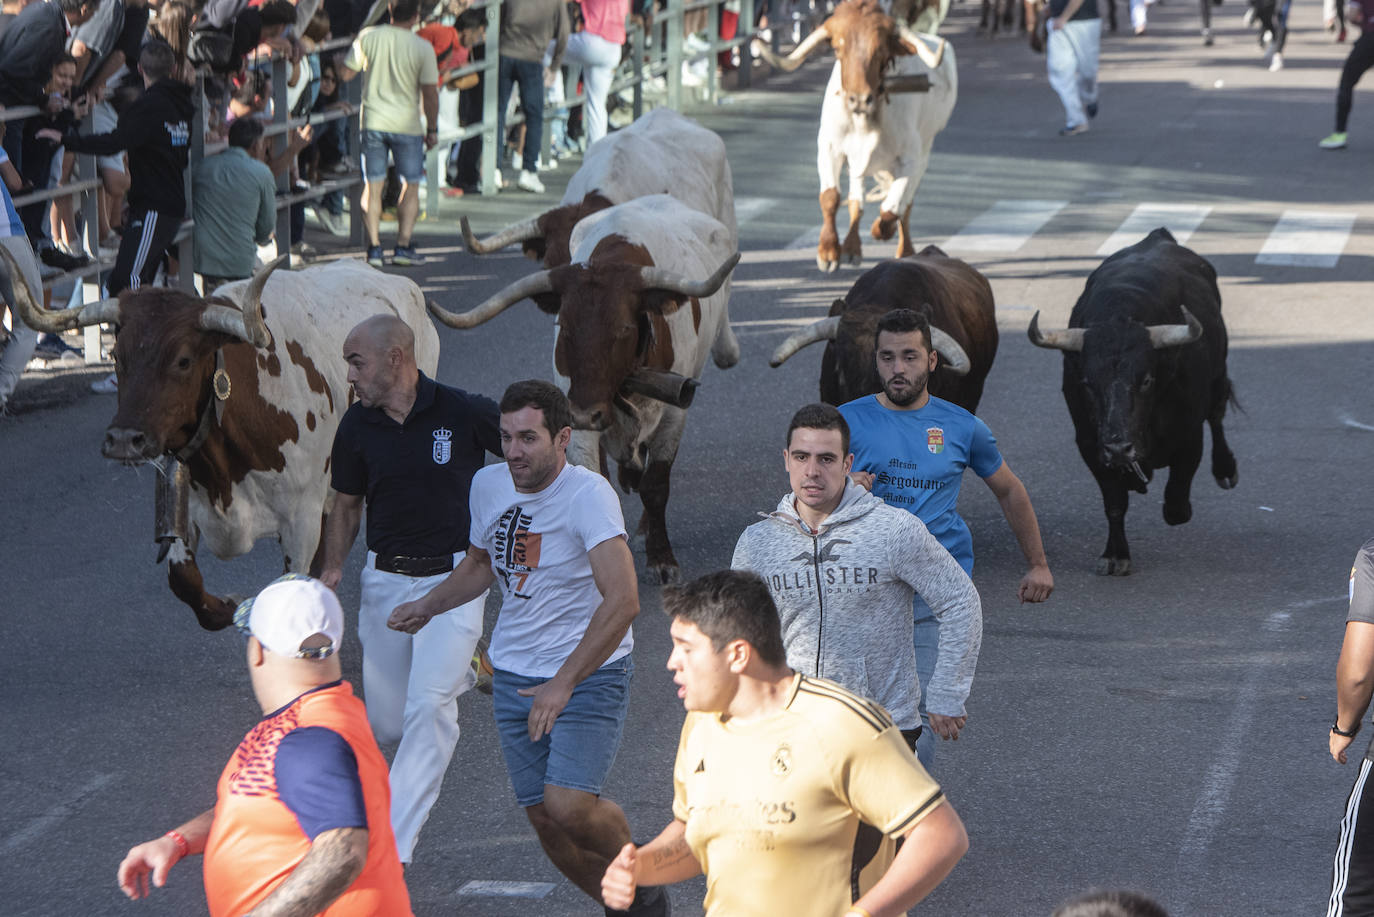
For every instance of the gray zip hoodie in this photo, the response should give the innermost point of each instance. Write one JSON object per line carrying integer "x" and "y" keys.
{"x": 856, "y": 628}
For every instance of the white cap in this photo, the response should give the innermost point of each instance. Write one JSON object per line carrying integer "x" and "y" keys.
{"x": 288, "y": 612}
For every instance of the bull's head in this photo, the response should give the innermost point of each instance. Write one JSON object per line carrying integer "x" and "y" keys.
{"x": 952, "y": 356}
{"x": 543, "y": 238}
{"x": 1120, "y": 363}
{"x": 607, "y": 311}
{"x": 164, "y": 356}
{"x": 866, "y": 41}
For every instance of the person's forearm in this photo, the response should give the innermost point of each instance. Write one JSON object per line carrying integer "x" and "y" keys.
{"x": 1354, "y": 676}
{"x": 197, "y": 831}
{"x": 472, "y": 578}
{"x": 667, "y": 858}
{"x": 430, "y": 97}
{"x": 340, "y": 530}
{"x": 1016, "y": 506}
{"x": 930, "y": 852}
{"x": 108, "y": 68}
{"x": 604, "y": 633}
{"x": 13, "y": 180}
{"x": 335, "y": 859}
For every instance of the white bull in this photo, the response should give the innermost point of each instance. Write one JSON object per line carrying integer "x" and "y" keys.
{"x": 661, "y": 153}
{"x": 644, "y": 302}
{"x": 245, "y": 391}
{"x": 872, "y": 122}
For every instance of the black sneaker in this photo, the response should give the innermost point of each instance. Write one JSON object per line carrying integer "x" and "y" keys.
{"x": 1091, "y": 109}
{"x": 55, "y": 257}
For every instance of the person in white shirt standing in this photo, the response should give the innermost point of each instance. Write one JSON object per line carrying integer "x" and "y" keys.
{"x": 552, "y": 536}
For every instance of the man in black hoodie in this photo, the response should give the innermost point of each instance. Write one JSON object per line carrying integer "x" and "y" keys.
{"x": 156, "y": 130}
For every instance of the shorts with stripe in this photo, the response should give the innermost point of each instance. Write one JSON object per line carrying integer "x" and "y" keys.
{"x": 147, "y": 236}
{"x": 1352, "y": 874}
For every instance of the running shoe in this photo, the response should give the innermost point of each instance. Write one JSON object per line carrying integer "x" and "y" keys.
{"x": 406, "y": 256}
{"x": 1070, "y": 130}
{"x": 1334, "y": 141}
{"x": 529, "y": 181}
{"x": 374, "y": 256}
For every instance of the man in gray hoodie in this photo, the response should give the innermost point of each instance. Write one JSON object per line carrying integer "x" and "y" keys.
{"x": 842, "y": 567}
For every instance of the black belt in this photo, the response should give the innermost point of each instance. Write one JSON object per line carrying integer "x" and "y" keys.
{"x": 414, "y": 566}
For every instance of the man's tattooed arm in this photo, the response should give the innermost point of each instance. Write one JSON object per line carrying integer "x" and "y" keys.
{"x": 335, "y": 859}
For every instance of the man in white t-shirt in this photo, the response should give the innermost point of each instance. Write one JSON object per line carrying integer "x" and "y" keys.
{"x": 552, "y": 537}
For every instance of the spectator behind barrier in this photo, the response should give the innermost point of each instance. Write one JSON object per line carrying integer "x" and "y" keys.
{"x": 234, "y": 198}
{"x": 251, "y": 98}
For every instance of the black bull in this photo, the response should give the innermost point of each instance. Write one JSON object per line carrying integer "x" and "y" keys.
{"x": 1144, "y": 367}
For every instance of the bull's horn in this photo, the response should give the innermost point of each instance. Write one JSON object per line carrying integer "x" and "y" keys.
{"x": 515, "y": 232}
{"x": 1070, "y": 339}
{"x": 670, "y": 388}
{"x": 1176, "y": 335}
{"x": 794, "y": 60}
{"x": 823, "y": 330}
{"x": 956, "y": 361}
{"x": 36, "y": 317}
{"x": 254, "y": 328}
{"x": 533, "y": 285}
{"x": 918, "y": 44}
{"x": 656, "y": 278}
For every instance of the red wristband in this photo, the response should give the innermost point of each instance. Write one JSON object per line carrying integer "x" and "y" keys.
{"x": 183, "y": 848}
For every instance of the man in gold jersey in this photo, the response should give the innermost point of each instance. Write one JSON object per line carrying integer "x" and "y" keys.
{"x": 774, "y": 773}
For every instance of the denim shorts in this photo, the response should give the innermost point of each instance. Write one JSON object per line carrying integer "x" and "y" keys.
{"x": 578, "y": 754}
{"x": 407, "y": 150}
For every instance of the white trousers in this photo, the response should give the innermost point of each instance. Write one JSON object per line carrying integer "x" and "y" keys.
{"x": 411, "y": 686}
{"x": 1071, "y": 58}
{"x": 1138, "y": 14}
{"x": 598, "y": 58}
{"x": 16, "y": 353}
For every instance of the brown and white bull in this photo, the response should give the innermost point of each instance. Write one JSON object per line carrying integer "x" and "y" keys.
{"x": 245, "y": 389}
{"x": 870, "y": 123}
{"x": 955, "y": 297}
{"x": 644, "y": 302}
{"x": 662, "y": 152}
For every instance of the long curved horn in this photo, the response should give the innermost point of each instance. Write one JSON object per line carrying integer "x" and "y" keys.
{"x": 794, "y": 60}
{"x": 52, "y": 322}
{"x": 254, "y": 326}
{"x": 225, "y": 320}
{"x": 515, "y": 232}
{"x": 918, "y": 44}
{"x": 533, "y": 285}
{"x": 956, "y": 361}
{"x": 656, "y": 278}
{"x": 1069, "y": 339}
{"x": 1176, "y": 335}
{"x": 814, "y": 333}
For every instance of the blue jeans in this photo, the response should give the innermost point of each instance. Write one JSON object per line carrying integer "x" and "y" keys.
{"x": 578, "y": 754}
{"x": 927, "y": 641}
{"x": 530, "y": 75}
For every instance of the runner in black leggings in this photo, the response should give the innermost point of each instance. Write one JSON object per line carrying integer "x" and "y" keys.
{"x": 1361, "y": 59}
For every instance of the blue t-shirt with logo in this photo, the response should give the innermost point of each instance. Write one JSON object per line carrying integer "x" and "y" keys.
{"x": 10, "y": 224}
{"x": 918, "y": 458}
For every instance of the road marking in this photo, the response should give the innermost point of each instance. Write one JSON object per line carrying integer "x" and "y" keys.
{"x": 1180, "y": 219}
{"x": 495, "y": 888}
{"x": 1004, "y": 227}
{"x": 751, "y": 208}
{"x": 809, "y": 239}
{"x": 1215, "y": 795}
{"x": 1307, "y": 238}
{"x": 58, "y": 813}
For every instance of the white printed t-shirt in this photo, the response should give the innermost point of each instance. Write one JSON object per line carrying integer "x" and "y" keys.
{"x": 538, "y": 545}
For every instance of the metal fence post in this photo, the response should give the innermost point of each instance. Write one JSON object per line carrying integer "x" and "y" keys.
{"x": 712, "y": 71}
{"x": 491, "y": 143}
{"x": 353, "y": 92}
{"x": 745, "y": 27}
{"x": 280, "y": 113}
{"x": 637, "y": 55}
{"x": 673, "y": 42}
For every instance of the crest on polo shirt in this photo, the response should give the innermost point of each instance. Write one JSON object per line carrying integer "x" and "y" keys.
{"x": 935, "y": 440}
{"x": 443, "y": 446}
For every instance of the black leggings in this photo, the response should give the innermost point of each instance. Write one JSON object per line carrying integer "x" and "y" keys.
{"x": 1361, "y": 59}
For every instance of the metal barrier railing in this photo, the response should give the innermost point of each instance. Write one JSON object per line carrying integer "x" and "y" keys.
{"x": 655, "y": 53}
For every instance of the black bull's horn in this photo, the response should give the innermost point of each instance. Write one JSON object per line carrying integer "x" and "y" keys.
{"x": 956, "y": 361}
{"x": 522, "y": 231}
{"x": 1161, "y": 336}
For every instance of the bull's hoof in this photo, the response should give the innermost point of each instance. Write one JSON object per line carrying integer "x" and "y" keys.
{"x": 661, "y": 574}
{"x": 1226, "y": 473}
{"x": 1113, "y": 566}
{"x": 885, "y": 226}
{"x": 855, "y": 258}
{"x": 827, "y": 265}
{"x": 1226, "y": 483}
{"x": 216, "y": 618}
{"x": 1177, "y": 515}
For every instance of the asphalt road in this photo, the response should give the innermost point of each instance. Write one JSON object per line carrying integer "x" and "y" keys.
{"x": 1164, "y": 731}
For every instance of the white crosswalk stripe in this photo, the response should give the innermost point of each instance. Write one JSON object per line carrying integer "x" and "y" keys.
{"x": 1180, "y": 219}
{"x": 1307, "y": 238}
{"x": 1004, "y": 227}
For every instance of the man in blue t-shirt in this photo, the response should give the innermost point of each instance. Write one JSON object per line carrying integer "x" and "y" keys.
{"x": 911, "y": 449}
{"x": 15, "y": 352}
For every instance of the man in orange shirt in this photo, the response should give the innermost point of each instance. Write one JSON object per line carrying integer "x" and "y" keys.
{"x": 303, "y": 821}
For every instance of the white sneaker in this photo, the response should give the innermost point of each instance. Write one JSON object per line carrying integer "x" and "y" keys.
{"x": 333, "y": 224}
{"x": 499, "y": 182}
{"x": 1277, "y": 63}
{"x": 107, "y": 386}
{"x": 528, "y": 181}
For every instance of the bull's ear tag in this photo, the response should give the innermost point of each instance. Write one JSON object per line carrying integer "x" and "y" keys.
{"x": 222, "y": 385}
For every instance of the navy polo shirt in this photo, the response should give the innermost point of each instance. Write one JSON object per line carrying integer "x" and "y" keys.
{"x": 415, "y": 475}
